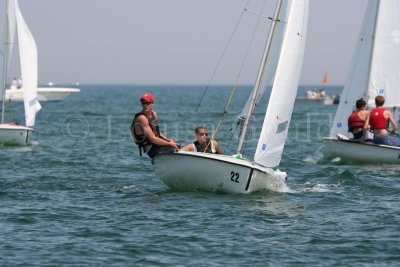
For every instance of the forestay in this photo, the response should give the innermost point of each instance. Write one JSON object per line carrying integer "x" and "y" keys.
{"x": 277, "y": 118}
{"x": 273, "y": 56}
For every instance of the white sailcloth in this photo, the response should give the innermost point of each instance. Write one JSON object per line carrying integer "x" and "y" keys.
{"x": 276, "y": 123}
{"x": 385, "y": 71}
{"x": 12, "y": 26}
{"x": 374, "y": 68}
{"x": 276, "y": 45}
{"x": 29, "y": 65}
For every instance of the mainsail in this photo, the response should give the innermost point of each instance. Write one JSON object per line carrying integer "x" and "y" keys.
{"x": 385, "y": 72}
{"x": 29, "y": 64}
{"x": 277, "y": 118}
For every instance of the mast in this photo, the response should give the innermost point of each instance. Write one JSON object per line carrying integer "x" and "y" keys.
{"x": 5, "y": 62}
{"x": 259, "y": 79}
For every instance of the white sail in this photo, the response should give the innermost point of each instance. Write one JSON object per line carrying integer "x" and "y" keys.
{"x": 29, "y": 66}
{"x": 357, "y": 78}
{"x": 4, "y": 53}
{"x": 374, "y": 69}
{"x": 385, "y": 71}
{"x": 273, "y": 56}
{"x": 276, "y": 123}
{"x": 12, "y": 26}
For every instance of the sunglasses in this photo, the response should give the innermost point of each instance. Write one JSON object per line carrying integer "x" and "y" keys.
{"x": 146, "y": 103}
{"x": 203, "y": 134}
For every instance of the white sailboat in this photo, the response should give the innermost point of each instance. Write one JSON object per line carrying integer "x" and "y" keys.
{"x": 283, "y": 55}
{"x": 43, "y": 94}
{"x": 50, "y": 93}
{"x": 11, "y": 133}
{"x": 374, "y": 71}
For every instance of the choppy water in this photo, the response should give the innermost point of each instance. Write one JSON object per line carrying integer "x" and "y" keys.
{"x": 81, "y": 195}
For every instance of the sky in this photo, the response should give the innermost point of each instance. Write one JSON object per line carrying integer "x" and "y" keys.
{"x": 179, "y": 41}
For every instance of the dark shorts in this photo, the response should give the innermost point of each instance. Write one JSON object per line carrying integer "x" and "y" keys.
{"x": 155, "y": 149}
{"x": 358, "y": 136}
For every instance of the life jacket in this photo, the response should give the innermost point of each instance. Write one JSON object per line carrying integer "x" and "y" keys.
{"x": 376, "y": 119}
{"x": 141, "y": 139}
{"x": 201, "y": 148}
{"x": 355, "y": 121}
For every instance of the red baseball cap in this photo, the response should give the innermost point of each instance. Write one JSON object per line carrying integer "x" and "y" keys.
{"x": 147, "y": 97}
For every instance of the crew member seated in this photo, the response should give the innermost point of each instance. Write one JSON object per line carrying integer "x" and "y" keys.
{"x": 357, "y": 119}
{"x": 203, "y": 143}
{"x": 378, "y": 120}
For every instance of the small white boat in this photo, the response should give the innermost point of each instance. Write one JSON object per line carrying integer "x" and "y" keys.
{"x": 282, "y": 61}
{"x": 358, "y": 152}
{"x": 317, "y": 95}
{"x": 314, "y": 97}
{"x": 43, "y": 94}
{"x": 14, "y": 135}
{"x": 374, "y": 71}
{"x": 11, "y": 133}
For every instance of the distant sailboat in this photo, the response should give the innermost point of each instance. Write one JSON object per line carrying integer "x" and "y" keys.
{"x": 43, "y": 93}
{"x": 317, "y": 95}
{"x": 187, "y": 171}
{"x": 325, "y": 80}
{"x": 11, "y": 133}
{"x": 374, "y": 71}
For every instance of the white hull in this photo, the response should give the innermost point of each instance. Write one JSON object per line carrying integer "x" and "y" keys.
{"x": 192, "y": 171}
{"x": 43, "y": 94}
{"x": 361, "y": 152}
{"x": 313, "y": 99}
{"x": 14, "y": 135}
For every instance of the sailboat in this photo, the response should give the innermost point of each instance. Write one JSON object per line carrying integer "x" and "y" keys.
{"x": 43, "y": 93}
{"x": 317, "y": 95}
{"x": 189, "y": 171}
{"x": 325, "y": 79}
{"x": 374, "y": 71}
{"x": 12, "y": 133}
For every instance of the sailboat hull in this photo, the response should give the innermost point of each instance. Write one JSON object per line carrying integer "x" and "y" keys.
{"x": 194, "y": 171}
{"x": 358, "y": 152}
{"x": 14, "y": 135}
{"x": 43, "y": 94}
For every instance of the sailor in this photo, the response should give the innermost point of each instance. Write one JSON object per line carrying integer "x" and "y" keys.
{"x": 378, "y": 120}
{"x": 357, "y": 118}
{"x": 146, "y": 132}
{"x": 14, "y": 84}
{"x": 203, "y": 143}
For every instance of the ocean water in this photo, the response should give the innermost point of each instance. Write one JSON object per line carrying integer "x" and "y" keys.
{"x": 80, "y": 194}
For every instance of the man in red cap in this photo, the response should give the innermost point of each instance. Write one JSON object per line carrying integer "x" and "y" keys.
{"x": 145, "y": 130}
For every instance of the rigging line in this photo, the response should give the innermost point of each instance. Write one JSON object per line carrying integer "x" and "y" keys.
{"x": 252, "y": 38}
{"x": 224, "y": 113}
{"x": 233, "y": 133}
{"x": 237, "y": 77}
{"x": 251, "y": 42}
{"x": 222, "y": 55}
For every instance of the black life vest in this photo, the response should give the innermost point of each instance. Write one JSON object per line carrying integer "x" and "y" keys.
{"x": 201, "y": 148}
{"x": 141, "y": 139}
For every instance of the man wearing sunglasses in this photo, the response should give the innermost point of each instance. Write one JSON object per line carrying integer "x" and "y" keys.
{"x": 146, "y": 132}
{"x": 203, "y": 143}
